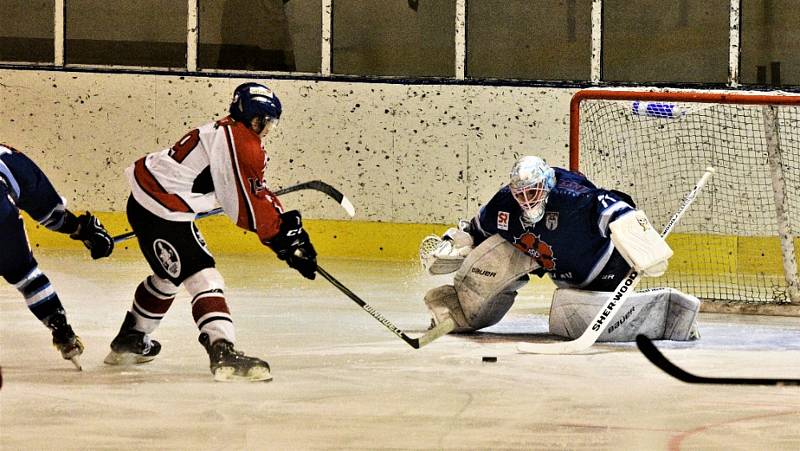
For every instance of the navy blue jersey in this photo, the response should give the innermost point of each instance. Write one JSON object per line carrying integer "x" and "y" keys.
{"x": 28, "y": 188}
{"x": 571, "y": 242}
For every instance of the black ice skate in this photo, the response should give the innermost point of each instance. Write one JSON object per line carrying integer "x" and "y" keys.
{"x": 64, "y": 339}
{"x": 228, "y": 364}
{"x": 131, "y": 346}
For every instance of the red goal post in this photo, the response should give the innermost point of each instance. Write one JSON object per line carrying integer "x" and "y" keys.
{"x": 738, "y": 245}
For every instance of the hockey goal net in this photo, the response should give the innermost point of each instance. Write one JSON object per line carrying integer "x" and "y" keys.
{"x": 736, "y": 246}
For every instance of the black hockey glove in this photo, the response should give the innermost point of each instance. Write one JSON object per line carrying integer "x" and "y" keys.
{"x": 293, "y": 245}
{"x": 94, "y": 236}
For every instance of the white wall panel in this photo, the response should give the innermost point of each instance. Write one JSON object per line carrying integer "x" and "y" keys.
{"x": 419, "y": 153}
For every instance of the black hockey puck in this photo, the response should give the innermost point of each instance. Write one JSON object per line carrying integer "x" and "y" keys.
{"x": 489, "y": 358}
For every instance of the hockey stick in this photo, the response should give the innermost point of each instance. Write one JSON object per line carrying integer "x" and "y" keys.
{"x": 440, "y": 329}
{"x": 316, "y": 185}
{"x": 617, "y": 298}
{"x": 657, "y": 358}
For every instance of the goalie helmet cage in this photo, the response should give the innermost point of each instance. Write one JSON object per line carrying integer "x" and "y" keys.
{"x": 737, "y": 248}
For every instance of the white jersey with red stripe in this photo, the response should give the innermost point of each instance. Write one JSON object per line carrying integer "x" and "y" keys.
{"x": 220, "y": 163}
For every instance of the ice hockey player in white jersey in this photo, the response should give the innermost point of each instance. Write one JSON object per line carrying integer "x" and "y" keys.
{"x": 23, "y": 186}
{"x": 556, "y": 222}
{"x": 220, "y": 163}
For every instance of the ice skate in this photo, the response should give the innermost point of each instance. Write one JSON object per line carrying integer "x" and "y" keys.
{"x": 131, "y": 346}
{"x": 65, "y": 340}
{"x": 228, "y": 364}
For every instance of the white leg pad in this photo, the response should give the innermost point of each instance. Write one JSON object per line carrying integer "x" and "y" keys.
{"x": 682, "y": 317}
{"x": 443, "y": 303}
{"x": 660, "y": 313}
{"x": 488, "y": 280}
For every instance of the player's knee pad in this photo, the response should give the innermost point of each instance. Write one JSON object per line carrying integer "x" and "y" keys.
{"x": 660, "y": 313}
{"x": 163, "y": 287}
{"x": 206, "y": 282}
{"x": 488, "y": 280}
{"x": 443, "y": 303}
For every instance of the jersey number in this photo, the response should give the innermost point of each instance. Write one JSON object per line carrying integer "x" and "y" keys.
{"x": 185, "y": 145}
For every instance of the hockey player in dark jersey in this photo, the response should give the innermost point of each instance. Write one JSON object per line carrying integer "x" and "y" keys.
{"x": 545, "y": 221}
{"x": 219, "y": 163}
{"x": 23, "y": 186}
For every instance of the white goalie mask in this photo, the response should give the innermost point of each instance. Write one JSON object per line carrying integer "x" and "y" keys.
{"x": 531, "y": 182}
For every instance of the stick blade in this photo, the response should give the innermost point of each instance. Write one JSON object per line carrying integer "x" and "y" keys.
{"x": 658, "y": 359}
{"x": 348, "y": 206}
{"x": 441, "y": 329}
{"x": 77, "y": 362}
{"x": 581, "y": 343}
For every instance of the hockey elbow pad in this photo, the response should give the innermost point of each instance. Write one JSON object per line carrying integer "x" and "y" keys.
{"x": 93, "y": 235}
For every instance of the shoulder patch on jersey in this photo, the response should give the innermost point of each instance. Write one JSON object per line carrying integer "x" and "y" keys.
{"x": 551, "y": 220}
{"x": 502, "y": 220}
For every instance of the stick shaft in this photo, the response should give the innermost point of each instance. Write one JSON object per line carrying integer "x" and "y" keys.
{"x": 316, "y": 185}
{"x": 441, "y": 329}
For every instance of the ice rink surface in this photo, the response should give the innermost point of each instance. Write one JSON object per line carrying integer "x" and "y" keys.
{"x": 343, "y": 381}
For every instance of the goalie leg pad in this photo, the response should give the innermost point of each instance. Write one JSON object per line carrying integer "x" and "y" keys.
{"x": 488, "y": 280}
{"x": 443, "y": 303}
{"x": 209, "y": 308}
{"x": 660, "y": 313}
{"x": 682, "y": 317}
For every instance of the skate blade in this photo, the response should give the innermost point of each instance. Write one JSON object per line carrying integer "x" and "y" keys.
{"x": 77, "y": 362}
{"x": 126, "y": 358}
{"x": 255, "y": 374}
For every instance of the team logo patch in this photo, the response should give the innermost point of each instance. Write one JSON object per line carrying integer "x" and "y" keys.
{"x": 257, "y": 185}
{"x": 502, "y": 220}
{"x": 168, "y": 257}
{"x": 199, "y": 238}
{"x": 551, "y": 220}
{"x": 642, "y": 220}
{"x": 536, "y": 248}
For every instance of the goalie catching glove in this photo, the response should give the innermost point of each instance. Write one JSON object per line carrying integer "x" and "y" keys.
{"x": 293, "y": 245}
{"x": 445, "y": 255}
{"x": 93, "y": 235}
{"x": 641, "y": 246}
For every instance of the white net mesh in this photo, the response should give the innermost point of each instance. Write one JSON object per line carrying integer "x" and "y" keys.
{"x": 727, "y": 247}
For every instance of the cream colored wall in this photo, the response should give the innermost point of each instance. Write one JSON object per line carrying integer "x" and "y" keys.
{"x": 407, "y": 154}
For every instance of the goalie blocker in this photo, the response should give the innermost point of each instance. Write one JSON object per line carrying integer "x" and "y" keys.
{"x": 639, "y": 244}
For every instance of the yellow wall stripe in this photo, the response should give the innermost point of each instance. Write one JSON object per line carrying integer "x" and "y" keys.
{"x": 395, "y": 241}
{"x": 352, "y": 239}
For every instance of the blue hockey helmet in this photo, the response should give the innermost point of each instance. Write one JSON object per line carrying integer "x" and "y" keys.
{"x": 531, "y": 182}
{"x": 255, "y": 100}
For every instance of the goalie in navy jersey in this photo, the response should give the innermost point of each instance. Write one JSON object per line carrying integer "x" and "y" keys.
{"x": 551, "y": 221}
{"x": 219, "y": 163}
{"x": 23, "y": 186}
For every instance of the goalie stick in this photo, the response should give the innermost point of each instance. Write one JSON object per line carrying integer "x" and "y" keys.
{"x": 617, "y": 297}
{"x": 657, "y": 358}
{"x": 316, "y": 185}
{"x": 440, "y": 329}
